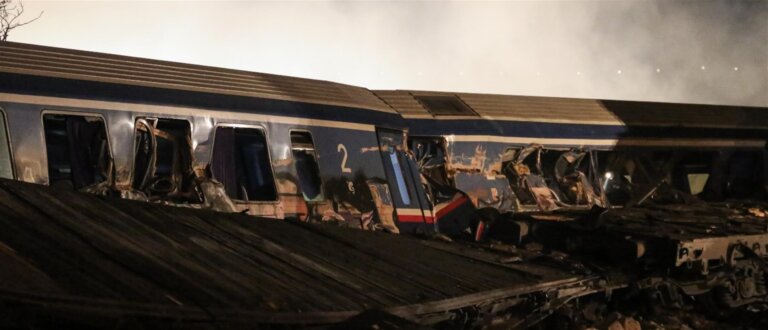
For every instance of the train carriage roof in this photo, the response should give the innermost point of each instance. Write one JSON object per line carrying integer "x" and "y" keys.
{"x": 426, "y": 104}
{"x": 26, "y": 59}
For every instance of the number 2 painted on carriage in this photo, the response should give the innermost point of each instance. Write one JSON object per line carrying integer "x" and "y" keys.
{"x": 344, "y": 168}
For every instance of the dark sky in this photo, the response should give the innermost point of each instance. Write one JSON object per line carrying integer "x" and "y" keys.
{"x": 684, "y": 51}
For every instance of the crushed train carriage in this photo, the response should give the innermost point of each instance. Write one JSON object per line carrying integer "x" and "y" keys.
{"x": 674, "y": 195}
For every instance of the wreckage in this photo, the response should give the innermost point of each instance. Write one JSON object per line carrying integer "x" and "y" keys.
{"x": 675, "y": 199}
{"x": 663, "y": 199}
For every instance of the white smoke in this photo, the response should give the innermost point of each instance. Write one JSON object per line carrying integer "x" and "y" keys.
{"x": 680, "y": 51}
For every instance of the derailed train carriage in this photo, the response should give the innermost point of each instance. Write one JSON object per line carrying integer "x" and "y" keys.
{"x": 671, "y": 194}
{"x": 196, "y": 136}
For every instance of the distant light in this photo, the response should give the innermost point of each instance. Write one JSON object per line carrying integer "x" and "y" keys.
{"x": 618, "y": 71}
{"x": 608, "y": 177}
{"x": 461, "y": 73}
{"x": 420, "y": 73}
{"x": 703, "y": 67}
{"x": 538, "y": 73}
{"x": 735, "y": 68}
{"x": 578, "y": 73}
{"x": 658, "y": 70}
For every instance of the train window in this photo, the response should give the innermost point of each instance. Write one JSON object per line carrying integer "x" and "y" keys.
{"x": 77, "y": 150}
{"x": 241, "y": 162}
{"x": 307, "y": 169}
{"x": 445, "y": 106}
{"x": 691, "y": 170}
{"x": 427, "y": 151}
{"x": 6, "y": 167}
{"x": 394, "y": 158}
{"x": 163, "y": 158}
{"x": 430, "y": 156}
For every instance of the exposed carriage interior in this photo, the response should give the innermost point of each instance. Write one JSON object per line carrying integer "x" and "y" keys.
{"x": 241, "y": 162}
{"x": 566, "y": 178}
{"x": 162, "y": 167}
{"x": 632, "y": 177}
{"x": 77, "y": 149}
{"x": 307, "y": 167}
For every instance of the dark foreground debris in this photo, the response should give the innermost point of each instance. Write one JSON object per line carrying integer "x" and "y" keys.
{"x": 90, "y": 261}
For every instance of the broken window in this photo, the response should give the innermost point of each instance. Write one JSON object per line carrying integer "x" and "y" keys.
{"x": 163, "y": 159}
{"x": 240, "y": 161}
{"x": 577, "y": 182}
{"x": 525, "y": 173}
{"x": 428, "y": 151}
{"x": 77, "y": 149}
{"x": 6, "y": 166}
{"x": 307, "y": 168}
{"x": 431, "y": 158}
{"x": 445, "y": 106}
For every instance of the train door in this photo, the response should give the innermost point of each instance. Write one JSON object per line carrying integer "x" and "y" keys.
{"x": 453, "y": 209}
{"x": 411, "y": 208}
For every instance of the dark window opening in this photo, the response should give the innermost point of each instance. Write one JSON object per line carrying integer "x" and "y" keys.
{"x": 241, "y": 162}
{"x": 445, "y": 106}
{"x": 163, "y": 159}
{"x": 6, "y": 166}
{"x": 77, "y": 150}
{"x": 307, "y": 167}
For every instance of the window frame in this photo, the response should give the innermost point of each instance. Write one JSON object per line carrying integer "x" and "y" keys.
{"x": 317, "y": 160}
{"x": 269, "y": 157}
{"x": 145, "y": 117}
{"x": 4, "y": 114}
{"x": 80, "y": 114}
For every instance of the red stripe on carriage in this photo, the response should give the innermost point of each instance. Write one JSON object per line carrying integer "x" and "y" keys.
{"x": 450, "y": 207}
{"x": 410, "y": 218}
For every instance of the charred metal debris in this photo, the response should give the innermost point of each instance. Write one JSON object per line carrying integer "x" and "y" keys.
{"x": 683, "y": 230}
